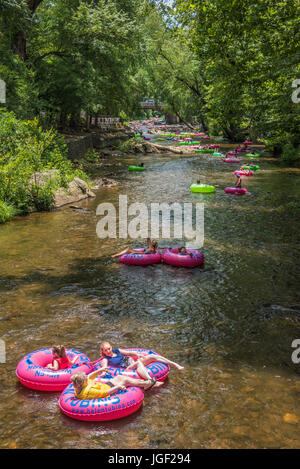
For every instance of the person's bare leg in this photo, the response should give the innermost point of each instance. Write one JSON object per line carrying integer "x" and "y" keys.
{"x": 158, "y": 358}
{"x": 140, "y": 368}
{"x": 127, "y": 381}
{"x": 143, "y": 383}
{"x": 125, "y": 251}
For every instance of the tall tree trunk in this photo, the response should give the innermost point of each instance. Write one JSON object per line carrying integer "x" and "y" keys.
{"x": 19, "y": 39}
{"x": 19, "y": 45}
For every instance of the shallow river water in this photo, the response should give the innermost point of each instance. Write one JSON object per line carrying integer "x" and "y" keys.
{"x": 231, "y": 323}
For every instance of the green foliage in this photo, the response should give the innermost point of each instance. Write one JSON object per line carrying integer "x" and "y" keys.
{"x": 225, "y": 66}
{"x": 128, "y": 145}
{"x": 248, "y": 59}
{"x": 290, "y": 155}
{"x": 91, "y": 156}
{"x": 26, "y": 149}
{"x": 6, "y": 212}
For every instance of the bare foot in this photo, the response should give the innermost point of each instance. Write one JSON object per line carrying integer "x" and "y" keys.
{"x": 158, "y": 384}
{"x": 178, "y": 367}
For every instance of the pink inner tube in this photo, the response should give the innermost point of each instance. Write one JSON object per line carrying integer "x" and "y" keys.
{"x": 236, "y": 190}
{"x": 231, "y": 160}
{"x": 139, "y": 258}
{"x": 172, "y": 257}
{"x": 32, "y": 371}
{"x": 155, "y": 369}
{"x": 248, "y": 143}
{"x": 244, "y": 172}
{"x": 113, "y": 407}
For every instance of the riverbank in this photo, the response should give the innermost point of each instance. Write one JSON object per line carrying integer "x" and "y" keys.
{"x": 41, "y": 170}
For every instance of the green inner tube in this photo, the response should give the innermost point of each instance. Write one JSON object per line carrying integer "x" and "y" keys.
{"x": 136, "y": 168}
{"x": 137, "y": 135}
{"x": 256, "y": 155}
{"x": 253, "y": 168}
{"x": 218, "y": 154}
{"x": 204, "y": 188}
{"x": 159, "y": 139}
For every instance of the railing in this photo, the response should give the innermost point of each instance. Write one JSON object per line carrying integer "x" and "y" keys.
{"x": 147, "y": 105}
{"x": 101, "y": 122}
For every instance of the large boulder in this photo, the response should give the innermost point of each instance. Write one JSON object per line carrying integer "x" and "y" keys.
{"x": 76, "y": 190}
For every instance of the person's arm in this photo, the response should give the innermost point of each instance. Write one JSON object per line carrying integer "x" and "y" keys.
{"x": 73, "y": 360}
{"x": 104, "y": 362}
{"x": 53, "y": 367}
{"x": 116, "y": 389}
{"x": 96, "y": 373}
{"x": 130, "y": 353}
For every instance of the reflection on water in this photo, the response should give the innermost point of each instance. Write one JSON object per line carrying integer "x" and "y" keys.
{"x": 230, "y": 323}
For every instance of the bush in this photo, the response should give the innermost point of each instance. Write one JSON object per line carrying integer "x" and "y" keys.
{"x": 290, "y": 155}
{"x": 6, "y": 212}
{"x": 127, "y": 146}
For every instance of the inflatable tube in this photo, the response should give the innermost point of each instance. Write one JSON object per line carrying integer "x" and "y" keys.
{"x": 243, "y": 172}
{"x": 139, "y": 258}
{"x": 32, "y": 371}
{"x": 172, "y": 257}
{"x": 113, "y": 407}
{"x": 248, "y": 143}
{"x": 136, "y": 168}
{"x": 236, "y": 190}
{"x": 155, "y": 369}
{"x": 231, "y": 160}
{"x": 250, "y": 155}
{"x": 253, "y": 168}
{"x": 218, "y": 154}
{"x": 204, "y": 150}
{"x": 204, "y": 188}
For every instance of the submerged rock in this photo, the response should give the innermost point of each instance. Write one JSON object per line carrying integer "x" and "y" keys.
{"x": 104, "y": 182}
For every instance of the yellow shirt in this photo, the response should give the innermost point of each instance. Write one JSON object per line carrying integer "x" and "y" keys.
{"x": 93, "y": 390}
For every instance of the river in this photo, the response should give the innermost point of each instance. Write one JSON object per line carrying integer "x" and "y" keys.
{"x": 230, "y": 323}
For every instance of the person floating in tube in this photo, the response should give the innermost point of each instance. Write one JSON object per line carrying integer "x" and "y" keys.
{"x": 238, "y": 183}
{"x": 86, "y": 388}
{"x": 183, "y": 252}
{"x": 121, "y": 358}
{"x": 60, "y": 360}
{"x": 152, "y": 247}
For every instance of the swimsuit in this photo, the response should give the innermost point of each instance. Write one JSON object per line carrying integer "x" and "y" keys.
{"x": 119, "y": 361}
{"x": 63, "y": 363}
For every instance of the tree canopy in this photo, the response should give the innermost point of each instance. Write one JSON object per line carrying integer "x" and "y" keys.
{"x": 226, "y": 66}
